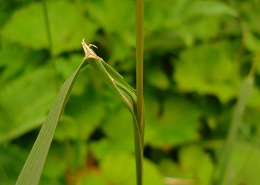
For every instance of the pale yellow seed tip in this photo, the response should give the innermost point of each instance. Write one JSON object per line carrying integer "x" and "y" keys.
{"x": 88, "y": 51}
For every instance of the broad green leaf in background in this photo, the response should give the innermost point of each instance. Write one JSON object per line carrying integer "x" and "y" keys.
{"x": 194, "y": 164}
{"x": 118, "y": 26}
{"x": 207, "y": 69}
{"x": 177, "y": 123}
{"x": 119, "y": 129}
{"x": 172, "y": 15}
{"x": 171, "y": 25}
{"x": 157, "y": 78}
{"x": 8, "y": 54}
{"x": 251, "y": 29}
{"x": 250, "y": 14}
{"x": 252, "y": 42}
{"x": 25, "y": 102}
{"x": 56, "y": 165}
{"x": 244, "y": 164}
{"x": 11, "y": 163}
{"x": 211, "y": 8}
{"x": 30, "y": 21}
{"x": 152, "y": 112}
{"x": 197, "y": 28}
{"x": 123, "y": 163}
{"x": 254, "y": 99}
{"x": 65, "y": 34}
{"x": 113, "y": 21}
{"x": 201, "y": 15}
{"x": 107, "y": 146}
{"x": 93, "y": 178}
{"x": 183, "y": 22}
{"x": 197, "y": 164}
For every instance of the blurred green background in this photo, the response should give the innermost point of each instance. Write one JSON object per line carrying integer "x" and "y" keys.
{"x": 197, "y": 52}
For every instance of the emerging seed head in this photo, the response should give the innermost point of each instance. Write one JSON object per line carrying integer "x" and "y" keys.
{"x": 88, "y": 51}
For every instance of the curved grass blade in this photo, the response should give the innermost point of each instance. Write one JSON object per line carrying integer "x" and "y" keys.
{"x": 128, "y": 96}
{"x": 32, "y": 169}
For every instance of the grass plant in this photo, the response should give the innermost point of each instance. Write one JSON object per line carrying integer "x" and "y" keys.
{"x": 224, "y": 159}
{"x": 32, "y": 169}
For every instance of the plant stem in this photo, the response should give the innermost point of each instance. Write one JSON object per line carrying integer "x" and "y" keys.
{"x": 139, "y": 82}
{"x": 139, "y": 63}
{"x": 236, "y": 121}
{"x": 47, "y": 23}
{"x": 234, "y": 127}
{"x": 48, "y": 31}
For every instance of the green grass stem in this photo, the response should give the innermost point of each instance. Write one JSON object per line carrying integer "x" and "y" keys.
{"x": 233, "y": 130}
{"x": 47, "y": 23}
{"x": 139, "y": 82}
{"x": 139, "y": 60}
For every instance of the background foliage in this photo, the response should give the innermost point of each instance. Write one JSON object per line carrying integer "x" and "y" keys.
{"x": 197, "y": 52}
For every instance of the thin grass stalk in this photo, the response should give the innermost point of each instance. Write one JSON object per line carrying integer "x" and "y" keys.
{"x": 48, "y": 31}
{"x": 234, "y": 127}
{"x": 139, "y": 61}
{"x": 247, "y": 85}
{"x": 139, "y": 84}
{"x": 47, "y": 23}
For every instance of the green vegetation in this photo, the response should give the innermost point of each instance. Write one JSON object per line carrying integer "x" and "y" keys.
{"x": 201, "y": 91}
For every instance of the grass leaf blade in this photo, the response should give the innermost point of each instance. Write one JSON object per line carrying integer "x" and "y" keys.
{"x": 32, "y": 169}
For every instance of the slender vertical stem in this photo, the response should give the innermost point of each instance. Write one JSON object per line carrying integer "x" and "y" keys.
{"x": 139, "y": 87}
{"x": 139, "y": 63}
{"x": 236, "y": 121}
{"x": 234, "y": 127}
{"x": 47, "y": 23}
{"x": 48, "y": 30}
